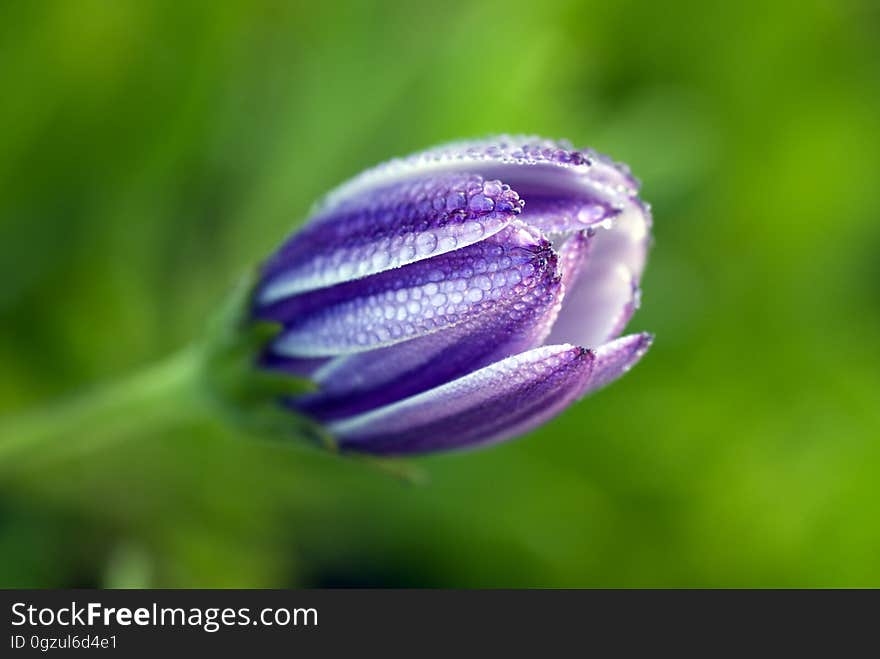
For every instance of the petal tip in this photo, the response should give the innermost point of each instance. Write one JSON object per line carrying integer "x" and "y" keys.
{"x": 615, "y": 358}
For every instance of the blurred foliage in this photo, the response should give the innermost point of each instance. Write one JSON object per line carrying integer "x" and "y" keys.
{"x": 152, "y": 152}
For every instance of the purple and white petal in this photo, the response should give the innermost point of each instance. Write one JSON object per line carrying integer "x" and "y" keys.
{"x": 486, "y": 406}
{"x": 610, "y": 361}
{"x": 414, "y": 300}
{"x": 565, "y": 215}
{"x": 533, "y": 166}
{"x": 356, "y": 383}
{"x": 386, "y": 228}
{"x": 615, "y": 358}
{"x": 574, "y": 251}
{"x": 299, "y": 367}
{"x": 605, "y": 293}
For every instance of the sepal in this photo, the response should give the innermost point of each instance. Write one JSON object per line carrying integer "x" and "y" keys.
{"x": 234, "y": 381}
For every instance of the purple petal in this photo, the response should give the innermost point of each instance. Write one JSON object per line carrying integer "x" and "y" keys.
{"x": 610, "y": 361}
{"x": 615, "y": 358}
{"x": 605, "y": 292}
{"x": 411, "y": 301}
{"x": 573, "y": 254}
{"x": 489, "y": 405}
{"x": 357, "y": 383}
{"x": 563, "y": 215}
{"x": 386, "y": 228}
{"x": 305, "y": 367}
{"x": 533, "y": 166}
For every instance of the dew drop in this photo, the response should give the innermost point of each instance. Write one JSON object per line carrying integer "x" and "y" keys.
{"x": 448, "y": 243}
{"x": 426, "y": 243}
{"x": 481, "y": 203}
{"x": 492, "y": 188}
{"x": 482, "y": 282}
{"x": 472, "y": 231}
{"x": 474, "y": 295}
{"x": 379, "y": 260}
{"x": 455, "y": 201}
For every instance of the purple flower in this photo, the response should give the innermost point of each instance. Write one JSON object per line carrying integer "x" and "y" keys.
{"x": 460, "y": 296}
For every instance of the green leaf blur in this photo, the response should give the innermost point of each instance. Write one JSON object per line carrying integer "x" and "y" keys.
{"x": 153, "y": 152}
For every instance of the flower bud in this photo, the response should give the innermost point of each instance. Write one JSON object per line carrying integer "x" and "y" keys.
{"x": 457, "y": 297}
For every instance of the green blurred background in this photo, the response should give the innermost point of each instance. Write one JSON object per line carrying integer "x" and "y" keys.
{"x": 150, "y": 152}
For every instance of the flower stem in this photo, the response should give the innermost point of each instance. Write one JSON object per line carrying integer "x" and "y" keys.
{"x": 162, "y": 393}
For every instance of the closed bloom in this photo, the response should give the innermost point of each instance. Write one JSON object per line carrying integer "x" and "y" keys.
{"x": 460, "y": 296}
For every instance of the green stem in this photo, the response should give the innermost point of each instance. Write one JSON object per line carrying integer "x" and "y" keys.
{"x": 186, "y": 386}
{"x": 165, "y": 392}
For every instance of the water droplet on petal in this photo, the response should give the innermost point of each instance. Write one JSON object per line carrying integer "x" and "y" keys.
{"x": 480, "y": 203}
{"x": 426, "y": 243}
